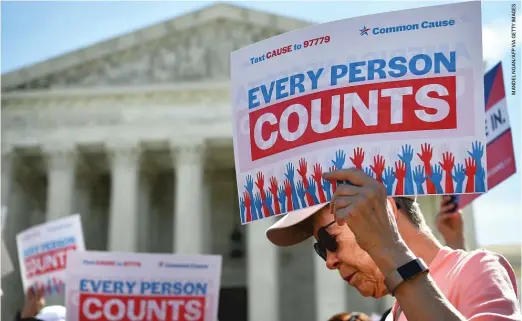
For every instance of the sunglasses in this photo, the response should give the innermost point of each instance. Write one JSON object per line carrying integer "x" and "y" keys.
{"x": 325, "y": 242}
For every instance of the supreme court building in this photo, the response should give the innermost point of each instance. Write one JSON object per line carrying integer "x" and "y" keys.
{"x": 135, "y": 134}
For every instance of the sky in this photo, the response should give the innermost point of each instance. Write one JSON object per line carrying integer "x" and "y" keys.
{"x": 36, "y": 31}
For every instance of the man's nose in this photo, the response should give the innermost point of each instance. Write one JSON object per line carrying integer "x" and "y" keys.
{"x": 332, "y": 262}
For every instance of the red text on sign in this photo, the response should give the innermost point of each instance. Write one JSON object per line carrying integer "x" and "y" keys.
{"x": 47, "y": 262}
{"x": 386, "y": 107}
{"x": 98, "y": 307}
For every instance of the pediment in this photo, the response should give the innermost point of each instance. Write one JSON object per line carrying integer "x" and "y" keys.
{"x": 196, "y": 53}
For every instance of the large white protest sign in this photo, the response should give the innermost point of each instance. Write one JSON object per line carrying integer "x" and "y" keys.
{"x": 398, "y": 95}
{"x": 142, "y": 287}
{"x": 43, "y": 252}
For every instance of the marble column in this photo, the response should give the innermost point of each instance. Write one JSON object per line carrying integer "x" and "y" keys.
{"x": 262, "y": 273}
{"x": 124, "y": 161}
{"x": 61, "y": 174}
{"x": 189, "y": 226}
{"x": 7, "y": 174}
{"x": 330, "y": 291}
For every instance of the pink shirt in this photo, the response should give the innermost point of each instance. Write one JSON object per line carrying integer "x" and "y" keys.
{"x": 480, "y": 284}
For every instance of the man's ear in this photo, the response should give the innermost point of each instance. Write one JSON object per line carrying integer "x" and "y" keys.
{"x": 392, "y": 206}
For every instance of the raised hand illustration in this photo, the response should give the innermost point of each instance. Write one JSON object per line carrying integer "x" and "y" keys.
{"x": 477, "y": 152}
{"x": 289, "y": 196}
{"x": 419, "y": 178}
{"x": 301, "y": 192}
{"x": 425, "y": 157}
{"x": 389, "y": 179}
{"x": 242, "y": 209}
{"x": 436, "y": 177}
{"x": 303, "y": 169}
{"x": 400, "y": 173}
{"x": 378, "y": 167}
{"x": 311, "y": 190}
{"x": 471, "y": 170}
{"x": 368, "y": 171}
{"x": 332, "y": 182}
{"x": 459, "y": 176}
{"x": 260, "y": 183}
{"x": 248, "y": 207}
{"x": 281, "y": 197}
{"x": 339, "y": 160}
{"x": 317, "y": 176}
{"x": 290, "y": 177}
{"x": 358, "y": 158}
{"x": 273, "y": 190}
{"x": 249, "y": 186}
{"x": 259, "y": 205}
{"x": 406, "y": 157}
{"x": 326, "y": 185}
{"x": 447, "y": 165}
{"x": 268, "y": 203}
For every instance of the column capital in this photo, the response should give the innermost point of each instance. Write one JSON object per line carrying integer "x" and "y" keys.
{"x": 122, "y": 153}
{"x": 190, "y": 151}
{"x": 59, "y": 156}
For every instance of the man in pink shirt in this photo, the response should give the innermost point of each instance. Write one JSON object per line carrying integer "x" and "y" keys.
{"x": 382, "y": 245}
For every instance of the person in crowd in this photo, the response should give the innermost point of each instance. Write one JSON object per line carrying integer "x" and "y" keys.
{"x": 354, "y": 316}
{"x": 382, "y": 245}
{"x": 35, "y": 310}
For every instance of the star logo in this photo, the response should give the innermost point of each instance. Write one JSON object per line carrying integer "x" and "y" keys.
{"x": 364, "y": 31}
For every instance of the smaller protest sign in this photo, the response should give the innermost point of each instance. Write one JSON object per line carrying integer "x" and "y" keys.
{"x": 499, "y": 140}
{"x": 43, "y": 252}
{"x": 142, "y": 287}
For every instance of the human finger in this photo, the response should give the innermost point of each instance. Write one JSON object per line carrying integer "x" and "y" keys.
{"x": 448, "y": 208}
{"x": 355, "y": 176}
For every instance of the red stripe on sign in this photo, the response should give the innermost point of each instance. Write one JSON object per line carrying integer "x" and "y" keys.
{"x": 497, "y": 92}
{"x": 417, "y": 105}
{"x": 101, "y": 307}
{"x": 47, "y": 262}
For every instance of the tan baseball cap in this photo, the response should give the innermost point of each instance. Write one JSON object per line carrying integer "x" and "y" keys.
{"x": 293, "y": 228}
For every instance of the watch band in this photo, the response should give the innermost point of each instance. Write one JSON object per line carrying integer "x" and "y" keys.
{"x": 404, "y": 273}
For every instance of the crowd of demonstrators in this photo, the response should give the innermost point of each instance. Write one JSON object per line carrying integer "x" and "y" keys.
{"x": 354, "y": 316}
{"x": 381, "y": 245}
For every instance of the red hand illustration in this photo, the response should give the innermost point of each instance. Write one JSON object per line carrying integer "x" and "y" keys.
{"x": 471, "y": 169}
{"x": 303, "y": 169}
{"x": 400, "y": 173}
{"x": 425, "y": 157}
{"x": 273, "y": 191}
{"x": 447, "y": 165}
{"x": 246, "y": 197}
{"x": 333, "y": 182}
{"x": 378, "y": 167}
{"x": 288, "y": 192}
{"x": 318, "y": 171}
{"x": 261, "y": 186}
{"x": 358, "y": 157}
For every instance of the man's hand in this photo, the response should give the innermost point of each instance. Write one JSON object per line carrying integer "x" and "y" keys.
{"x": 34, "y": 302}
{"x": 450, "y": 224}
{"x": 364, "y": 207}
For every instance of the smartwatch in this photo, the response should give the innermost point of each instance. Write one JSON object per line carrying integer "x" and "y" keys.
{"x": 404, "y": 273}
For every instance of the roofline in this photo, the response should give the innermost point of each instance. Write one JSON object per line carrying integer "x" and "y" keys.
{"x": 156, "y": 31}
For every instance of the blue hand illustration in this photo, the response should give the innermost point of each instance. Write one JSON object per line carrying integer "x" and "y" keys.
{"x": 268, "y": 202}
{"x": 368, "y": 171}
{"x": 388, "y": 179}
{"x": 340, "y": 157}
{"x": 406, "y": 158}
{"x": 326, "y": 185}
{"x": 458, "y": 177}
{"x": 290, "y": 173}
{"x": 436, "y": 177}
{"x": 258, "y": 205}
{"x": 477, "y": 152}
{"x": 419, "y": 178}
{"x": 250, "y": 189}
{"x": 281, "y": 197}
{"x": 312, "y": 190}
{"x": 301, "y": 192}
{"x": 242, "y": 208}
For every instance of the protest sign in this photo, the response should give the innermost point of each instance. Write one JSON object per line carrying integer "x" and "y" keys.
{"x": 142, "y": 287}
{"x": 499, "y": 140}
{"x": 398, "y": 95}
{"x": 43, "y": 252}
